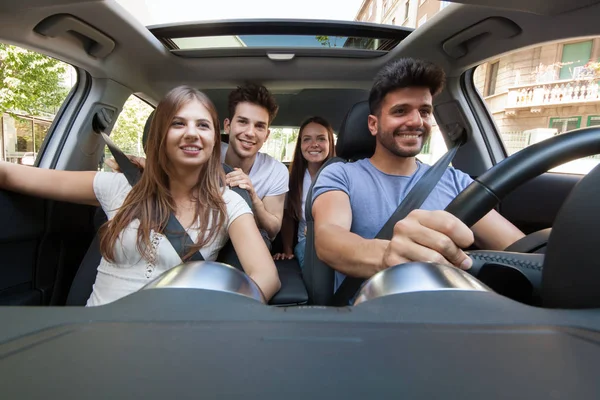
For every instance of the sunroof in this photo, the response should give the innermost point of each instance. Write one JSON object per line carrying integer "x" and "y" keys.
{"x": 327, "y": 38}
{"x": 284, "y": 41}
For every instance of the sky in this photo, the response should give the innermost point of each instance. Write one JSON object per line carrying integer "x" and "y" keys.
{"x": 153, "y": 12}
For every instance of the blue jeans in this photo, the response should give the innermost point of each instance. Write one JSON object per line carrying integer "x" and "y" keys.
{"x": 299, "y": 251}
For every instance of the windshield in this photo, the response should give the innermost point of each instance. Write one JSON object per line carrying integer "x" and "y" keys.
{"x": 157, "y": 12}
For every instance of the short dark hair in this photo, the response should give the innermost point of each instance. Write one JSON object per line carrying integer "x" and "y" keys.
{"x": 405, "y": 72}
{"x": 254, "y": 94}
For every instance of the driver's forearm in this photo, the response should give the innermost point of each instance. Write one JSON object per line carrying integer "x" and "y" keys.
{"x": 267, "y": 221}
{"x": 349, "y": 253}
{"x": 494, "y": 232}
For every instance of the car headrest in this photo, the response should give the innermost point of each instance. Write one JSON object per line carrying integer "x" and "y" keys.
{"x": 146, "y": 130}
{"x": 354, "y": 138}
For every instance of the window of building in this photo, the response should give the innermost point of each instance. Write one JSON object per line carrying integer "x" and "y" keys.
{"x": 406, "y": 9}
{"x": 34, "y": 88}
{"x": 593, "y": 120}
{"x": 565, "y": 124}
{"x": 574, "y": 55}
{"x": 492, "y": 78}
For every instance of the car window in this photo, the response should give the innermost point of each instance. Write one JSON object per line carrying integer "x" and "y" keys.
{"x": 435, "y": 147}
{"x": 129, "y": 128}
{"x": 282, "y": 141}
{"x": 539, "y": 92}
{"x": 32, "y": 89}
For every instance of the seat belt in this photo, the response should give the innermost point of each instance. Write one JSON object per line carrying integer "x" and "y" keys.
{"x": 176, "y": 233}
{"x": 413, "y": 200}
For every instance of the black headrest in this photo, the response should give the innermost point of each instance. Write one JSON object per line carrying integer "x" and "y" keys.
{"x": 354, "y": 139}
{"x": 146, "y": 130}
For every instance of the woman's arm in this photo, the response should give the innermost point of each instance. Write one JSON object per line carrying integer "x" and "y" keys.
{"x": 287, "y": 238}
{"x": 71, "y": 186}
{"x": 254, "y": 255}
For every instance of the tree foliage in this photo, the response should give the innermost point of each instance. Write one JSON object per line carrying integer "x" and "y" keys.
{"x": 129, "y": 128}
{"x": 327, "y": 41}
{"x": 30, "y": 82}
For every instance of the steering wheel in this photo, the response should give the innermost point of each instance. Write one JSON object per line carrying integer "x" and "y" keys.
{"x": 489, "y": 189}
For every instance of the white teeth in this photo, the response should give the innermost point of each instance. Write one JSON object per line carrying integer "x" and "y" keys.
{"x": 409, "y": 136}
{"x": 190, "y": 148}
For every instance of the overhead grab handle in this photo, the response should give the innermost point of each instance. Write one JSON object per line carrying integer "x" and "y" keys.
{"x": 95, "y": 43}
{"x": 493, "y": 28}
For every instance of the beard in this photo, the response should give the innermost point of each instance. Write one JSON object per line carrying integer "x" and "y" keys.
{"x": 388, "y": 140}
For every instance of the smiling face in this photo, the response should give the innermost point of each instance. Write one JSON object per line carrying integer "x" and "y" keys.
{"x": 404, "y": 122}
{"x": 314, "y": 143}
{"x": 191, "y": 136}
{"x": 248, "y": 129}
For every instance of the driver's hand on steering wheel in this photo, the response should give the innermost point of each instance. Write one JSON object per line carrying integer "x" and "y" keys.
{"x": 430, "y": 236}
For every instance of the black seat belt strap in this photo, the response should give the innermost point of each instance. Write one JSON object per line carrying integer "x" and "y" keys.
{"x": 176, "y": 233}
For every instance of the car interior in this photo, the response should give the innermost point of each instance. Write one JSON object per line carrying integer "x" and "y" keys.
{"x": 522, "y": 323}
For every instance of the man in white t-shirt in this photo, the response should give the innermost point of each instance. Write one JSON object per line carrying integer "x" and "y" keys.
{"x": 252, "y": 108}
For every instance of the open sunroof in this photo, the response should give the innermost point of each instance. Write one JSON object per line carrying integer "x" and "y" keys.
{"x": 255, "y": 37}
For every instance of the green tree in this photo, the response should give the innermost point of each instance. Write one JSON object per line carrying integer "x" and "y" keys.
{"x": 326, "y": 40}
{"x": 30, "y": 82}
{"x": 129, "y": 128}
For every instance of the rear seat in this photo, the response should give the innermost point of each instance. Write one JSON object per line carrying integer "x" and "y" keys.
{"x": 292, "y": 292}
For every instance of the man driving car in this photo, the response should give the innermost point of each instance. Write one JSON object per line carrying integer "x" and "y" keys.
{"x": 352, "y": 201}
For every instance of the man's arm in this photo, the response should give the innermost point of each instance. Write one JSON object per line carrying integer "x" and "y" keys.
{"x": 341, "y": 249}
{"x": 494, "y": 232}
{"x": 269, "y": 213}
{"x": 435, "y": 236}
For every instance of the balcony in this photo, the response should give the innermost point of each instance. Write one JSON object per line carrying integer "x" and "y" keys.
{"x": 536, "y": 96}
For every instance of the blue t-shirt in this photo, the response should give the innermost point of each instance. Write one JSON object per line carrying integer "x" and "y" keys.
{"x": 375, "y": 195}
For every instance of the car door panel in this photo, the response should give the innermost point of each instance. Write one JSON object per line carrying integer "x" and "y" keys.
{"x": 41, "y": 243}
{"x": 21, "y": 228}
{"x": 534, "y": 205}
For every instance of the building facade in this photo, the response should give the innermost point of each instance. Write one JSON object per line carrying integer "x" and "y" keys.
{"x": 533, "y": 94}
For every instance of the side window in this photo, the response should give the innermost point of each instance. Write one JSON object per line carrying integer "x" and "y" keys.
{"x": 32, "y": 89}
{"x": 281, "y": 143}
{"x": 543, "y": 91}
{"x": 435, "y": 147}
{"x": 129, "y": 128}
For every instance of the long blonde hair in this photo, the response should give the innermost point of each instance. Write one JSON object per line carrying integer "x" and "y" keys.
{"x": 150, "y": 199}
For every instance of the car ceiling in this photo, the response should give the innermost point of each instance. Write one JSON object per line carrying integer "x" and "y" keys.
{"x": 143, "y": 64}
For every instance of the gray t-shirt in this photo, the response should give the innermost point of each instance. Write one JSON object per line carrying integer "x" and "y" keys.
{"x": 375, "y": 195}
